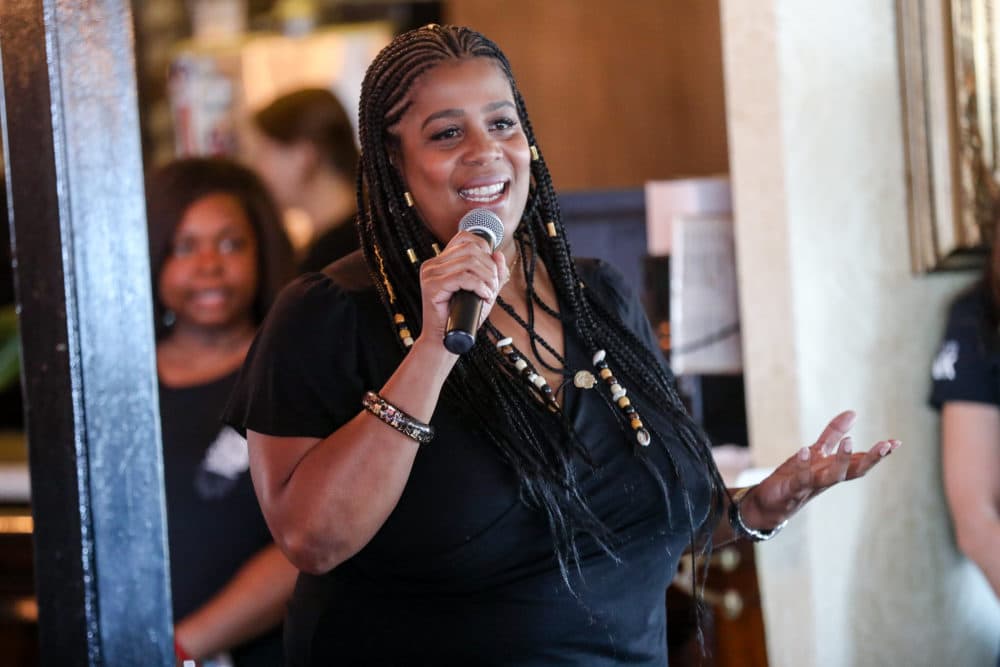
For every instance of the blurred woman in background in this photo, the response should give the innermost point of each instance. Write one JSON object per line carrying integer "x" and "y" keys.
{"x": 218, "y": 257}
{"x": 966, "y": 374}
{"x": 303, "y": 147}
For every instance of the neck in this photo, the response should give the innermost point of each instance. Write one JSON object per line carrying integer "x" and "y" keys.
{"x": 516, "y": 289}
{"x": 217, "y": 339}
{"x": 328, "y": 199}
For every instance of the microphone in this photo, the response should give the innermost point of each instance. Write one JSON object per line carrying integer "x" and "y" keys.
{"x": 466, "y": 307}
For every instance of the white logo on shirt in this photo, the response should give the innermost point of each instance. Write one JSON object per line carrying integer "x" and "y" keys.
{"x": 944, "y": 362}
{"x": 228, "y": 455}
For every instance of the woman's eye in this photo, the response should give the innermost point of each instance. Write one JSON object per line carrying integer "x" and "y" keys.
{"x": 445, "y": 134}
{"x": 232, "y": 245}
{"x": 504, "y": 124}
{"x": 183, "y": 248}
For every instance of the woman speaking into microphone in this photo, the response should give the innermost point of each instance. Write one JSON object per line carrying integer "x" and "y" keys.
{"x": 523, "y": 503}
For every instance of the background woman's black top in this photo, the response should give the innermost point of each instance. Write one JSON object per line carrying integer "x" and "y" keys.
{"x": 213, "y": 520}
{"x": 462, "y": 572}
{"x": 336, "y": 242}
{"x": 967, "y": 365}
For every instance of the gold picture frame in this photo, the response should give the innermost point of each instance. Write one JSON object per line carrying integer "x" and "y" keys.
{"x": 948, "y": 52}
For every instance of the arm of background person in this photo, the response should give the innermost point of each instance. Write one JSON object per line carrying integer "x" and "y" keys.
{"x": 253, "y": 602}
{"x": 970, "y": 434}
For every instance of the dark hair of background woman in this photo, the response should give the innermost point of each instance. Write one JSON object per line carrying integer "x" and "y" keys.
{"x": 171, "y": 189}
{"x": 313, "y": 115}
{"x": 543, "y": 446}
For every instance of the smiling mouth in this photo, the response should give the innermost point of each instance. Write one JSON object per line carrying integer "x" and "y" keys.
{"x": 209, "y": 297}
{"x": 484, "y": 194}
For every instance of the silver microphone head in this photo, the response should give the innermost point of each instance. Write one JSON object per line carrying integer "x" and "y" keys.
{"x": 484, "y": 222}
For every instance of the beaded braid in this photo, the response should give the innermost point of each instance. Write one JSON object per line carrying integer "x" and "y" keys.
{"x": 538, "y": 444}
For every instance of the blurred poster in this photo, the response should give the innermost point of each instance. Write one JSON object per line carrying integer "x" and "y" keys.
{"x": 690, "y": 221}
{"x": 212, "y": 88}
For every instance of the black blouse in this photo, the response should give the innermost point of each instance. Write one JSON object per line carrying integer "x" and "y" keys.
{"x": 463, "y": 572}
{"x": 967, "y": 365}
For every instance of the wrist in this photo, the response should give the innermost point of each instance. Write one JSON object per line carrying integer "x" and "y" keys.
{"x": 432, "y": 355}
{"x": 754, "y": 514}
{"x": 747, "y": 519}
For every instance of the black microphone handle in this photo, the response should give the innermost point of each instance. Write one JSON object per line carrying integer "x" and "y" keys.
{"x": 463, "y": 321}
{"x": 464, "y": 311}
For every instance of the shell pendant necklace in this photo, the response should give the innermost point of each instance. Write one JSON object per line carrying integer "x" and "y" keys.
{"x": 519, "y": 365}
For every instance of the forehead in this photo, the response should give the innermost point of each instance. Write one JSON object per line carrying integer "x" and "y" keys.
{"x": 218, "y": 209}
{"x": 457, "y": 84}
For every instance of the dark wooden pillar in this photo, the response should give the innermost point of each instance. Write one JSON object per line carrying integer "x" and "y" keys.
{"x": 74, "y": 175}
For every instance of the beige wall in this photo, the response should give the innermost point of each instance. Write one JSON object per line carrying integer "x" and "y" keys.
{"x": 833, "y": 318}
{"x": 619, "y": 93}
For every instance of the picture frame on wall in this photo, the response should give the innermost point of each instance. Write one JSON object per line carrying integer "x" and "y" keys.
{"x": 947, "y": 53}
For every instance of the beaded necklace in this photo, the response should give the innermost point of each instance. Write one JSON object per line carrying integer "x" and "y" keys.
{"x": 521, "y": 366}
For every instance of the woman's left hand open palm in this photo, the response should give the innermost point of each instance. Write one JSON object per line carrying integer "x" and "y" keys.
{"x": 816, "y": 468}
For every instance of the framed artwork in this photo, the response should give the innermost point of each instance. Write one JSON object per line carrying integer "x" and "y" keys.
{"x": 948, "y": 60}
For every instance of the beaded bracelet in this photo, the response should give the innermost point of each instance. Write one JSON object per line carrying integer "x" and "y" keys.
{"x": 741, "y": 529}
{"x": 398, "y": 419}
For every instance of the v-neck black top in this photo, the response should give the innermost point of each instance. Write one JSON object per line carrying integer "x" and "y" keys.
{"x": 462, "y": 571}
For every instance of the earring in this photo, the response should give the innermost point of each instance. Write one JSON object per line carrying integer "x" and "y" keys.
{"x": 409, "y": 198}
{"x": 169, "y": 318}
{"x": 534, "y": 153}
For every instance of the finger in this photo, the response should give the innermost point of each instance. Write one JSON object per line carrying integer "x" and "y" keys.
{"x": 836, "y": 467}
{"x": 834, "y": 432}
{"x": 479, "y": 265}
{"x": 471, "y": 239}
{"x": 801, "y": 481}
{"x": 846, "y": 448}
{"x": 440, "y": 288}
{"x": 503, "y": 271}
{"x": 861, "y": 464}
{"x": 471, "y": 252}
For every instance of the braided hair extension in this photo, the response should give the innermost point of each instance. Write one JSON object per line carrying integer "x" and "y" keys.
{"x": 538, "y": 446}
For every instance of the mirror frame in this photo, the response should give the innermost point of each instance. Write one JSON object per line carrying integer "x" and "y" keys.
{"x": 952, "y": 194}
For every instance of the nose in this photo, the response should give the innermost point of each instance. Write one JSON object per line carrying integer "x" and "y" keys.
{"x": 209, "y": 260}
{"x": 482, "y": 148}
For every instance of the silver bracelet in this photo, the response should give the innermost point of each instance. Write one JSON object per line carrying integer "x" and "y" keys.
{"x": 741, "y": 529}
{"x": 398, "y": 419}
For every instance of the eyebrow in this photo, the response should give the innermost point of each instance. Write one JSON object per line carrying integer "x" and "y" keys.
{"x": 455, "y": 113}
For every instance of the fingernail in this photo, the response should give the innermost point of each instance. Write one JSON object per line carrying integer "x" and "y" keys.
{"x": 846, "y": 446}
{"x": 804, "y": 454}
{"x": 885, "y": 449}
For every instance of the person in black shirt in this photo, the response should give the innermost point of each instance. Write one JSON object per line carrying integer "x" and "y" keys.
{"x": 528, "y": 502}
{"x": 304, "y": 151}
{"x": 966, "y": 389}
{"x": 219, "y": 256}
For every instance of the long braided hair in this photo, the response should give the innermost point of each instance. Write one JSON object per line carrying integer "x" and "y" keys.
{"x": 538, "y": 445}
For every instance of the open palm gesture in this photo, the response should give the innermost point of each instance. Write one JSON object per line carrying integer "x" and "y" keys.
{"x": 811, "y": 471}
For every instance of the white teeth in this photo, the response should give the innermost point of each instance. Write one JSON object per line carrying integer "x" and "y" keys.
{"x": 482, "y": 193}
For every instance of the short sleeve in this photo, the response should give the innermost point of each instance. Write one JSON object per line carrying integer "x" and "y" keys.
{"x": 301, "y": 376}
{"x": 613, "y": 290}
{"x": 963, "y": 368}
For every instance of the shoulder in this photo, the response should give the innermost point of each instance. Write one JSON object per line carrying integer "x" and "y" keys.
{"x": 966, "y": 320}
{"x": 966, "y": 366}
{"x": 331, "y": 291}
{"x": 968, "y": 308}
{"x": 606, "y": 282}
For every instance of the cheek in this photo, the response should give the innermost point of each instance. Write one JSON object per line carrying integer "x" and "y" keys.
{"x": 423, "y": 167}
{"x": 243, "y": 268}
{"x": 170, "y": 282}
